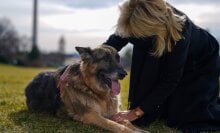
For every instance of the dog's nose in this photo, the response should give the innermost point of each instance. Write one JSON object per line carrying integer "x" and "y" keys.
{"x": 121, "y": 73}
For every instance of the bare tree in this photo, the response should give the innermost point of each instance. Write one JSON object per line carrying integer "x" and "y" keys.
{"x": 24, "y": 44}
{"x": 9, "y": 41}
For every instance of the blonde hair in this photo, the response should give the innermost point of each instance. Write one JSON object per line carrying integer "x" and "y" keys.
{"x": 145, "y": 18}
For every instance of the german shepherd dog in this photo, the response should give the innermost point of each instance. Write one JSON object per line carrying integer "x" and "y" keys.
{"x": 85, "y": 91}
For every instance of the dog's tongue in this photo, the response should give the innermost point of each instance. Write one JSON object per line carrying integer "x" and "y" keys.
{"x": 115, "y": 87}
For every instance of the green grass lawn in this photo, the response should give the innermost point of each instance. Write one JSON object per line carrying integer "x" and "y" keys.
{"x": 14, "y": 116}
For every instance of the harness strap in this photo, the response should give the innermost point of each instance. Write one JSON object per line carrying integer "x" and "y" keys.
{"x": 63, "y": 77}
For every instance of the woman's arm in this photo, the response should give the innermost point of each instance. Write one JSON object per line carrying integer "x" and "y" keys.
{"x": 116, "y": 41}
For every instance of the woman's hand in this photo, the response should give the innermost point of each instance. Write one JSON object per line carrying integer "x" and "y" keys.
{"x": 129, "y": 115}
{"x": 121, "y": 116}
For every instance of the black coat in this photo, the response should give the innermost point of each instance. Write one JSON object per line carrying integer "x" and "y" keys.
{"x": 182, "y": 86}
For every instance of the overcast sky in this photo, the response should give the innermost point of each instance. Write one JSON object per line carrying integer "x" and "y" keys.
{"x": 90, "y": 22}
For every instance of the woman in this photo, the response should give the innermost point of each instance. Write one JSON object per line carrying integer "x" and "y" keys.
{"x": 174, "y": 72}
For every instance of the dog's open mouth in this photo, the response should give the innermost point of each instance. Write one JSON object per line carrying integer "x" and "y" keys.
{"x": 114, "y": 85}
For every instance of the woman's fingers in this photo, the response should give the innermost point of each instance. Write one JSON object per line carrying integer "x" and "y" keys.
{"x": 115, "y": 116}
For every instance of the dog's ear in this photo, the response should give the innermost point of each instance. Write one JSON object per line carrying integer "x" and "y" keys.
{"x": 84, "y": 52}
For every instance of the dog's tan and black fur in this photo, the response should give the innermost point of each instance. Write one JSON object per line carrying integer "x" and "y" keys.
{"x": 86, "y": 94}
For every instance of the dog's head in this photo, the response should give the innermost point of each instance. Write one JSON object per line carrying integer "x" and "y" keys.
{"x": 104, "y": 63}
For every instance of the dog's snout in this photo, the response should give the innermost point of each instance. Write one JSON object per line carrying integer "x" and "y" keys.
{"x": 121, "y": 73}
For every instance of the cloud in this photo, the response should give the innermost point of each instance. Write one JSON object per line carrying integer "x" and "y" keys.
{"x": 19, "y": 13}
{"x": 209, "y": 2}
{"x": 89, "y": 4}
{"x": 90, "y": 22}
{"x": 46, "y": 8}
{"x": 206, "y": 16}
{"x": 83, "y": 19}
{"x": 81, "y": 27}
